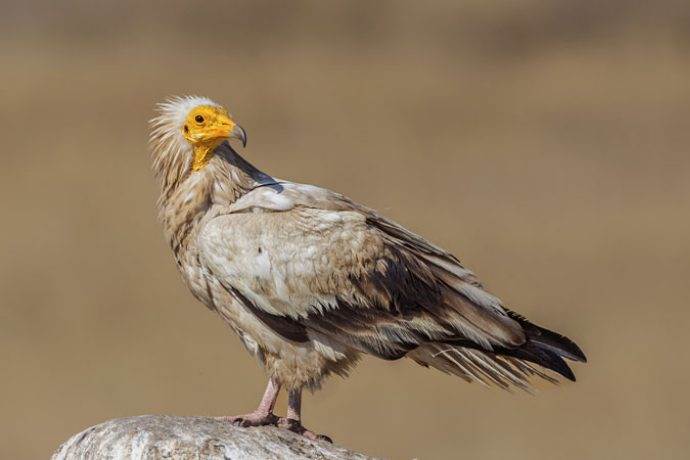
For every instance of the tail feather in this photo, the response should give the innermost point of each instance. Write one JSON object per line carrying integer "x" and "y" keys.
{"x": 504, "y": 367}
{"x": 473, "y": 365}
{"x": 535, "y": 353}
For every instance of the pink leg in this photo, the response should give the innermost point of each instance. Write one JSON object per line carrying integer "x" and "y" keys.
{"x": 262, "y": 415}
{"x": 293, "y": 421}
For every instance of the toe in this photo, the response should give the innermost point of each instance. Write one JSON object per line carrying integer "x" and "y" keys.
{"x": 252, "y": 419}
{"x": 296, "y": 427}
{"x": 244, "y": 422}
{"x": 316, "y": 437}
{"x": 290, "y": 424}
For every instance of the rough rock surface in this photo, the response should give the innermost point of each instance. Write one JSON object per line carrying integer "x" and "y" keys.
{"x": 168, "y": 437}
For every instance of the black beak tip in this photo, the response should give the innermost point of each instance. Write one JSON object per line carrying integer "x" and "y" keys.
{"x": 243, "y": 136}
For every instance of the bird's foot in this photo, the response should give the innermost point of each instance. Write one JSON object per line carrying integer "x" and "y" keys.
{"x": 253, "y": 419}
{"x": 296, "y": 427}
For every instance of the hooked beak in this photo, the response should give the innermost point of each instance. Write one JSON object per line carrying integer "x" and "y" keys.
{"x": 240, "y": 134}
{"x": 226, "y": 128}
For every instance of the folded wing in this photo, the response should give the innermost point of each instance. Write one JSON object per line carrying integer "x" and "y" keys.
{"x": 311, "y": 263}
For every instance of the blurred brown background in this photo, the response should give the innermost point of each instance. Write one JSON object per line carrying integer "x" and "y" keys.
{"x": 543, "y": 142}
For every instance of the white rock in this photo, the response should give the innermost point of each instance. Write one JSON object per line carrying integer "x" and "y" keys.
{"x": 167, "y": 437}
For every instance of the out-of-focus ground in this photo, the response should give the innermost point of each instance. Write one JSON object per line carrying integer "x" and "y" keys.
{"x": 543, "y": 142}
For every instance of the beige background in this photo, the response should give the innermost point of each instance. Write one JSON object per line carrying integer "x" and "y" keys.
{"x": 543, "y": 142}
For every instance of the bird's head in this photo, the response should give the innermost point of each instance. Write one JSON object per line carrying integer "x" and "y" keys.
{"x": 209, "y": 125}
{"x": 197, "y": 122}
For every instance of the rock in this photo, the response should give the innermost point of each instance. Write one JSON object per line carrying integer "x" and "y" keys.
{"x": 168, "y": 437}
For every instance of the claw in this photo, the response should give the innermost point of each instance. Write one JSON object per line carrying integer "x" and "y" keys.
{"x": 323, "y": 437}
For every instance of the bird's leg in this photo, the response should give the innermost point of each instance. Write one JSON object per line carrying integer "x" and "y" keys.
{"x": 293, "y": 421}
{"x": 262, "y": 415}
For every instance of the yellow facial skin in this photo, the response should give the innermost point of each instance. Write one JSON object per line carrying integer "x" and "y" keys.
{"x": 206, "y": 127}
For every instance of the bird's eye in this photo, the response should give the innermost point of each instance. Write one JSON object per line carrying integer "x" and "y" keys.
{"x": 199, "y": 119}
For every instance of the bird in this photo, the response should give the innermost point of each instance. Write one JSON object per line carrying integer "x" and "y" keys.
{"x": 310, "y": 280}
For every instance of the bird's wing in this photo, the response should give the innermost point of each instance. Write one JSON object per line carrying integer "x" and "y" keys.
{"x": 309, "y": 262}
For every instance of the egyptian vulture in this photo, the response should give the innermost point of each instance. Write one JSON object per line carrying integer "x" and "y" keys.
{"x": 310, "y": 280}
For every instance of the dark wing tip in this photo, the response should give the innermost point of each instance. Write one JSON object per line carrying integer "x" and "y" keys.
{"x": 565, "y": 371}
{"x": 578, "y": 353}
{"x": 550, "y": 340}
